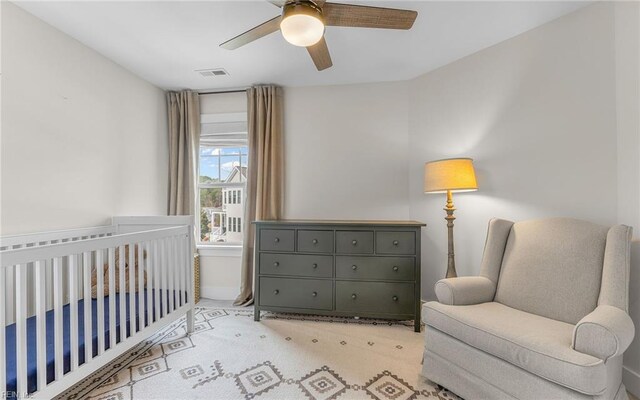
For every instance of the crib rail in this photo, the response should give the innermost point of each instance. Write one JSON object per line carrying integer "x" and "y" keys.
{"x": 128, "y": 301}
{"x": 44, "y": 238}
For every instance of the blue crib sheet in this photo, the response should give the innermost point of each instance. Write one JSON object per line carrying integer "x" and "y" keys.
{"x": 50, "y": 346}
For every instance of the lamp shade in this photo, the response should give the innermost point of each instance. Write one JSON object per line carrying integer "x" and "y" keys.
{"x": 454, "y": 174}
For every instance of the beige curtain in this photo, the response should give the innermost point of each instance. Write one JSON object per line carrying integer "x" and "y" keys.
{"x": 265, "y": 173}
{"x": 184, "y": 140}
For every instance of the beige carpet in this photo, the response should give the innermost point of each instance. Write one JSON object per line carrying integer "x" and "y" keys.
{"x": 281, "y": 357}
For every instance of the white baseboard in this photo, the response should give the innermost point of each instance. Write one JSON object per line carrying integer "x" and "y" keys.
{"x": 219, "y": 292}
{"x": 631, "y": 380}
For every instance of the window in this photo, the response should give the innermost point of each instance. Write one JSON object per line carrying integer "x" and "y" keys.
{"x": 222, "y": 178}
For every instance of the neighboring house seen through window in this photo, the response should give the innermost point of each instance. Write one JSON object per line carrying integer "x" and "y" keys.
{"x": 222, "y": 178}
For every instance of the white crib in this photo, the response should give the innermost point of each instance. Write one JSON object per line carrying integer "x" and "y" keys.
{"x": 52, "y": 333}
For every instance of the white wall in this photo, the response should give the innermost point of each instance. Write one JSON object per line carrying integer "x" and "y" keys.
{"x": 627, "y": 47}
{"x": 551, "y": 119}
{"x": 537, "y": 114}
{"x": 346, "y": 152}
{"x": 82, "y": 138}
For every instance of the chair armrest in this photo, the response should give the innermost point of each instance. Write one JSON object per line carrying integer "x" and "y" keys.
{"x": 465, "y": 290}
{"x": 605, "y": 332}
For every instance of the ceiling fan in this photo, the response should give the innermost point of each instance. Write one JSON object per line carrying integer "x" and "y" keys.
{"x": 303, "y": 22}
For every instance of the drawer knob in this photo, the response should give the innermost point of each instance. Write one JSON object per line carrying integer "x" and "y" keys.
{"x": 354, "y": 267}
{"x": 276, "y": 291}
{"x": 395, "y": 298}
{"x": 395, "y": 268}
{"x": 315, "y": 265}
{"x": 276, "y": 240}
{"x": 276, "y": 264}
{"x": 314, "y": 294}
{"x": 315, "y": 241}
{"x": 395, "y": 243}
{"x": 354, "y": 242}
{"x": 353, "y": 296}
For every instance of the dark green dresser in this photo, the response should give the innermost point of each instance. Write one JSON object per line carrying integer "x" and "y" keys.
{"x": 344, "y": 268}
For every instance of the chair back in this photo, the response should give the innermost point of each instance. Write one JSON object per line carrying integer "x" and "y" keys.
{"x": 553, "y": 268}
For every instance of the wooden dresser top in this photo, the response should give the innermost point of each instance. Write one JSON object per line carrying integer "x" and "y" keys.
{"x": 339, "y": 222}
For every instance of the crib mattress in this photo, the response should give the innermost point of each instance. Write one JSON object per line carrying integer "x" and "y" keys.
{"x": 50, "y": 346}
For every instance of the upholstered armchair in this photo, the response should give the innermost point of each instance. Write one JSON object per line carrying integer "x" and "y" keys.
{"x": 546, "y": 319}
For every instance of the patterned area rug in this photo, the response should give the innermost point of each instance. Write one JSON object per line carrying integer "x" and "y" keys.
{"x": 230, "y": 356}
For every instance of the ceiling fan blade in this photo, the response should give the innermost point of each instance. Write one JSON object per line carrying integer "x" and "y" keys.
{"x": 319, "y": 53}
{"x": 278, "y": 3}
{"x": 367, "y": 17}
{"x": 253, "y": 34}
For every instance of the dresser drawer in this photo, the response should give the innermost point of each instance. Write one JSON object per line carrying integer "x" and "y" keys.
{"x": 354, "y": 242}
{"x": 395, "y": 242}
{"x": 377, "y": 268}
{"x": 375, "y": 297}
{"x": 277, "y": 239}
{"x": 296, "y": 265}
{"x": 296, "y": 293}
{"x": 315, "y": 241}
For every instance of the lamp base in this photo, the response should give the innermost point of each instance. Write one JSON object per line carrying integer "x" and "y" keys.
{"x": 451, "y": 261}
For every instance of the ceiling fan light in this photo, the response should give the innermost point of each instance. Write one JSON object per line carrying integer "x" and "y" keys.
{"x": 302, "y": 25}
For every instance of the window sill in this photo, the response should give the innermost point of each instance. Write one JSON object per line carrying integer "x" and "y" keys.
{"x": 219, "y": 250}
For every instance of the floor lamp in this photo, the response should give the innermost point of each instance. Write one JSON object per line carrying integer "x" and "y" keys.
{"x": 448, "y": 176}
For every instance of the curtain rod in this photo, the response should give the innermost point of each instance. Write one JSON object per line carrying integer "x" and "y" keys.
{"x": 224, "y": 91}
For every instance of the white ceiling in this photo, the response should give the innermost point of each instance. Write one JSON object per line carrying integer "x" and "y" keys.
{"x": 164, "y": 42}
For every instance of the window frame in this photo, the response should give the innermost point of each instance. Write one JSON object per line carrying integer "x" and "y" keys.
{"x": 228, "y": 132}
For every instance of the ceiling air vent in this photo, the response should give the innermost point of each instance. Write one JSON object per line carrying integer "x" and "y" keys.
{"x": 209, "y": 73}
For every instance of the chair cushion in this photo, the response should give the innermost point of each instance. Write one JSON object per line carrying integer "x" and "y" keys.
{"x": 553, "y": 267}
{"x": 539, "y": 345}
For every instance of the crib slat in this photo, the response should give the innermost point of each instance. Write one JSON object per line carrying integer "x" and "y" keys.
{"x": 112, "y": 298}
{"x": 73, "y": 309}
{"x": 21, "y": 327}
{"x": 175, "y": 281}
{"x": 86, "y": 295}
{"x": 3, "y": 323}
{"x": 185, "y": 268}
{"x": 181, "y": 269}
{"x": 123, "y": 294}
{"x": 183, "y": 277}
{"x": 49, "y": 278}
{"x": 190, "y": 273}
{"x": 150, "y": 279}
{"x": 169, "y": 272}
{"x": 179, "y": 265}
{"x": 178, "y": 268}
{"x": 163, "y": 277}
{"x": 132, "y": 289}
{"x": 188, "y": 259}
{"x": 41, "y": 322}
{"x": 173, "y": 302}
{"x": 141, "y": 269}
{"x": 57, "y": 317}
{"x": 163, "y": 284}
{"x": 176, "y": 263}
{"x": 100, "y": 299}
{"x": 157, "y": 271}
{"x": 10, "y": 294}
